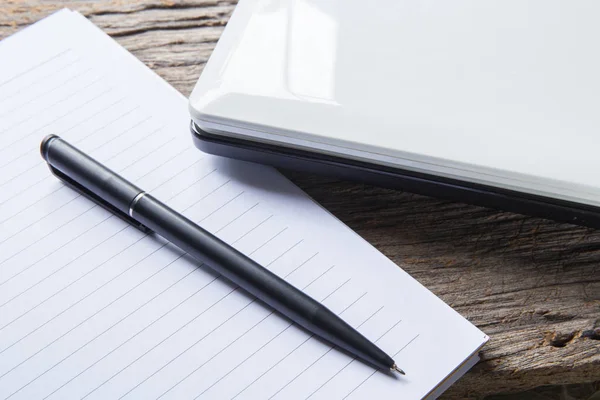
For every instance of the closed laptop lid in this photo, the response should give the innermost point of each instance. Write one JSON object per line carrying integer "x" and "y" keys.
{"x": 499, "y": 92}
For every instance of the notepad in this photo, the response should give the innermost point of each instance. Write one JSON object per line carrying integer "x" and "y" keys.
{"x": 92, "y": 308}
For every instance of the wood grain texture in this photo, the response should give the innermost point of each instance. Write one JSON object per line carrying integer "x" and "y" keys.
{"x": 532, "y": 285}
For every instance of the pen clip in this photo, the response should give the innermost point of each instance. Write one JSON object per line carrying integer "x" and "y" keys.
{"x": 83, "y": 191}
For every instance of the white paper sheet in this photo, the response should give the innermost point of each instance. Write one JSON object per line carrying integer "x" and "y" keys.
{"x": 92, "y": 308}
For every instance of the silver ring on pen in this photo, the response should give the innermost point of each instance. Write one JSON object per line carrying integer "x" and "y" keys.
{"x": 134, "y": 202}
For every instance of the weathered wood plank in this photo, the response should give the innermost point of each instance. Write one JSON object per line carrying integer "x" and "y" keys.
{"x": 532, "y": 285}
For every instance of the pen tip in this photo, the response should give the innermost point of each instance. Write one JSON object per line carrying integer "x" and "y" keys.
{"x": 395, "y": 368}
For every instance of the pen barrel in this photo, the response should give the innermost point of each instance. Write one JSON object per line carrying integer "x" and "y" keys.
{"x": 89, "y": 173}
{"x": 255, "y": 279}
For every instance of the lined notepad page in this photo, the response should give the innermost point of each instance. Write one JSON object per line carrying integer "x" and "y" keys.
{"x": 93, "y": 308}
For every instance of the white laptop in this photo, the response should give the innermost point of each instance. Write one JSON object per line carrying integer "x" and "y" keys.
{"x": 492, "y": 102}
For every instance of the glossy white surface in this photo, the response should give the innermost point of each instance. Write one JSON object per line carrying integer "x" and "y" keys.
{"x": 501, "y": 92}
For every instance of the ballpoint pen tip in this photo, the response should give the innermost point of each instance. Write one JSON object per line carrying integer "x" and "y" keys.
{"x": 395, "y": 368}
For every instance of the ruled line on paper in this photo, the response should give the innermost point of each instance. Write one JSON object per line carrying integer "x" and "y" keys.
{"x": 178, "y": 330}
{"x": 43, "y": 178}
{"x": 37, "y": 164}
{"x": 136, "y": 125}
{"x": 192, "y": 271}
{"x": 377, "y": 370}
{"x": 272, "y": 367}
{"x": 240, "y": 336}
{"x": 268, "y": 241}
{"x": 169, "y": 336}
{"x": 69, "y": 96}
{"x": 288, "y": 326}
{"x": 245, "y": 359}
{"x": 106, "y": 123}
{"x": 239, "y": 216}
{"x": 263, "y": 346}
{"x": 330, "y": 349}
{"x": 39, "y": 128}
{"x": 111, "y": 280}
{"x": 270, "y": 341}
{"x": 307, "y": 261}
{"x": 32, "y": 205}
{"x": 42, "y": 302}
{"x": 36, "y": 81}
{"x": 86, "y": 275}
{"x": 294, "y": 350}
{"x": 304, "y": 370}
{"x": 36, "y": 66}
{"x": 160, "y": 146}
{"x": 143, "y": 329}
{"x": 263, "y": 222}
{"x": 34, "y": 222}
{"x": 59, "y": 227}
{"x": 120, "y": 171}
{"x": 78, "y": 89}
{"x": 79, "y": 124}
{"x": 96, "y": 313}
{"x": 353, "y": 358}
{"x": 100, "y": 265}
{"x": 131, "y": 313}
{"x": 146, "y": 136}
{"x": 321, "y": 356}
{"x": 203, "y": 337}
{"x": 110, "y": 216}
{"x": 64, "y": 223}
{"x": 54, "y": 251}
{"x": 146, "y": 327}
{"x": 52, "y": 89}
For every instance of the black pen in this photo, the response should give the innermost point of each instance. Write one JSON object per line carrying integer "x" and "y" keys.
{"x": 129, "y": 202}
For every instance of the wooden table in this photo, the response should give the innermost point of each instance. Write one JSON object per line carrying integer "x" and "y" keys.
{"x": 532, "y": 285}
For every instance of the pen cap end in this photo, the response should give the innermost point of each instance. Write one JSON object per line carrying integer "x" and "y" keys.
{"x": 45, "y": 145}
{"x": 88, "y": 174}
